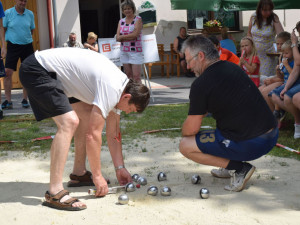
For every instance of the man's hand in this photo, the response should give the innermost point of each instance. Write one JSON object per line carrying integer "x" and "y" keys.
{"x": 123, "y": 176}
{"x": 267, "y": 81}
{"x": 101, "y": 186}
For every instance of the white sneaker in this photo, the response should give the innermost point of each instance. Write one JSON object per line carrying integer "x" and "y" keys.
{"x": 221, "y": 173}
{"x": 239, "y": 180}
{"x": 297, "y": 131}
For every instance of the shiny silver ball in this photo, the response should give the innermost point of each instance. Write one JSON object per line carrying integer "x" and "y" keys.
{"x": 165, "y": 191}
{"x": 196, "y": 179}
{"x": 161, "y": 176}
{"x": 135, "y": 177}
{"x": 204, "y": 193}
{"x": 130, "y": 187}
{"x": 123, "y": 199}
{"x": 142, "y": 181}
{"x": 152, "y": 190}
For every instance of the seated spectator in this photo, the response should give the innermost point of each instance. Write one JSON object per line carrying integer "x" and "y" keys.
{"x": 225, "y": 54}
{"x": 291, "y": 92}
{"x": 91, "y": 42}
{"x": 226, "y": 42}
{"x": 72, "y": 42}
{"x": 177, "y": 47}
{"x": 271, "y": 83}
{"x": 249, "y": 61}
{"x": 285, "y": 68}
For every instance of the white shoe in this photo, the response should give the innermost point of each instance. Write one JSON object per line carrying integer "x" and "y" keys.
{"x": 297, "y": 131}
{"x": 239, "y": 180}
{"x": 221, "y": 173}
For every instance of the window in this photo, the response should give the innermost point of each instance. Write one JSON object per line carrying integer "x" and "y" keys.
{"x": 228, "y": 19}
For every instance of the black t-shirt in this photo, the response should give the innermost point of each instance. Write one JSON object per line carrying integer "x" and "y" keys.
{"x": 235, "y": 102}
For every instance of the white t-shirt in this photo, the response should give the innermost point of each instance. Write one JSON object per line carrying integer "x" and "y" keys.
{"x": 86, "y": 75}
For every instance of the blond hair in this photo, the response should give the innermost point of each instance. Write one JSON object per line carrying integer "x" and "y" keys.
{"x": 254, "y": 51}
{"x": 92, "y": 35}
{"x": 286, "y": 45}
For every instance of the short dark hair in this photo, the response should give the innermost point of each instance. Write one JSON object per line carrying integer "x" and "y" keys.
{"x": 140, "y": 95}
{"x": 199, "y": 43}
{"x": 128, "y": 3}
{"x": 214, "y": 40}
{"x": 284, "y": 35}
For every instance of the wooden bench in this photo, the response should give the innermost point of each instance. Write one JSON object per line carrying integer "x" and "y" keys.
{"x": 164, "y": 61}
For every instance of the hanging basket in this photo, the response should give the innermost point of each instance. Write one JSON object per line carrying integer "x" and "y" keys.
{"x": 213, "y": 29}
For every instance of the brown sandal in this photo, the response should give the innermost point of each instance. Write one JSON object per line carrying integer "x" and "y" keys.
{"x": 53, "y": 201}
{"x": 84, "y": 180}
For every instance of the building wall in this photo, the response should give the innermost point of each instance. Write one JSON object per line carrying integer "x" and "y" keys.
{"x": 168, "y": 21}
{"x": 43, "y": 24}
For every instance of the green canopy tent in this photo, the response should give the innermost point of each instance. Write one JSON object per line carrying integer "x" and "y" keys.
{"x": 230, "y": 5}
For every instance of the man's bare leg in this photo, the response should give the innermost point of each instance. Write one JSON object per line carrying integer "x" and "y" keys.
{"x": 8, "y": 83}
{"x": 83, "y": 112}
{"x": 66, "y": 127}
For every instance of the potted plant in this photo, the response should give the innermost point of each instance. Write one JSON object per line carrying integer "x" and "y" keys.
{"x": 213, "y": 26}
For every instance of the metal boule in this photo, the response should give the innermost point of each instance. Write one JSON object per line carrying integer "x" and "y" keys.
{"x": 142, "y": 181}
{"x": 152, "y": 190}
{"x": 196, "y": 179}
{"x": 161, "y": 176}
{"x": 204, "y": 193}
{"x": 135, "y": 177}
{"x": 165, "y": 191}
{"x": 130, "y": 187}
{"x": 123, "y": 199}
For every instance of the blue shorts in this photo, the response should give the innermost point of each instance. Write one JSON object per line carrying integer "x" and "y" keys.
{"x": 291, "y": 92}
{"x": 212, "y": 142}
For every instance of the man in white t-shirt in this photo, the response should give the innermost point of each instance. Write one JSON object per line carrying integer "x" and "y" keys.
{"x": 80, "y": 90}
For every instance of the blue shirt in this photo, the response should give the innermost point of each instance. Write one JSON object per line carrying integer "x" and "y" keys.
{"x": 1, "y": 11}
{"x": 18, "y": 27}
{"x": 229, "y": 45}
{"x": 286, "y": 72}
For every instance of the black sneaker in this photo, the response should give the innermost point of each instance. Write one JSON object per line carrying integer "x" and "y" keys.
{"x": 239, "y": 180}
{"x": 25, "y": 103}
{"x": 7, "y": 105}
{"x": 1, "y": 115}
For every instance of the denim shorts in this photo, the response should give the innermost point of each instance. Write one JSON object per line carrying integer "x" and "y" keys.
{"x": 213, "y": 143}
{"x": 291, "y": 92}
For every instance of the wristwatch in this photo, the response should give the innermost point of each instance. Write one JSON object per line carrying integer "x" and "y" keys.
{"x": 119, "y": 167}
{"x": 293, "y": 45}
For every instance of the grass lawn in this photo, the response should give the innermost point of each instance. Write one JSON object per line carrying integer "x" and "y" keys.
{"x": 22, "y": 129}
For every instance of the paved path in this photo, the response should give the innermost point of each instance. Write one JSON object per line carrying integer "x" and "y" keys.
{"x": 165, "y": 91}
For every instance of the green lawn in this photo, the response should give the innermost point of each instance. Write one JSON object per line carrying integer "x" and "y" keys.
{"x": 23, "y": 129}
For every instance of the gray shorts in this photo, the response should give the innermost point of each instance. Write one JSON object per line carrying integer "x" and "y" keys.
{"x": 45, "y": 92}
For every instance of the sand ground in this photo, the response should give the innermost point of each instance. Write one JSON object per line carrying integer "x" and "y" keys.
{"x": 272, "y": 195}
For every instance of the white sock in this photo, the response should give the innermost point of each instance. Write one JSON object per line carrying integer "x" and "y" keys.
{"x": 297, "y": 131}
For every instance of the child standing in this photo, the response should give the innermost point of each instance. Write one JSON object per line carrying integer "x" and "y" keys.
{"x": 249, "y": 61}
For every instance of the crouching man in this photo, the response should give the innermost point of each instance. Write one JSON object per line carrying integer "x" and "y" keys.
{"x": 80, "y": 90}
{"x": 246, "y": 128}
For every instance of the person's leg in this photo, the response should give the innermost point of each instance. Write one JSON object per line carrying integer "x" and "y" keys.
{"x": 66, "y": 127}
{"x": 8, "y": 83}
{"x": 83, "y": 111}
{"x": 188, "y": 147}
{"x": 136, "y": 71}
{"x": 265, "y": 90}
{"x": 128, "y": 70}
{"x": 278, "y": 101}
{"x": 183, "y": 66}
{"x": 294, "y": 106}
